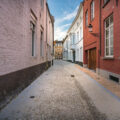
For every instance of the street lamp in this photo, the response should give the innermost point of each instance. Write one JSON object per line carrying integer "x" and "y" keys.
{"x": 90, "y": 28}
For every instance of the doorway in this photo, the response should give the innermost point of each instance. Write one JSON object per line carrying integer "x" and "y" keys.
{"x": 74, "y": 56}
{"x": 92, "y": 59}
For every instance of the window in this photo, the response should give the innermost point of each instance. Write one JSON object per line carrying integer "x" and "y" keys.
{"x": 86, "y": 17}
{"x": 81, "y": 54}
{"x": 73, "y": 38}
{"x": 78, "y": 36}
{"x": 33, "y": 38}
{"x": 41, "y": 44}
{"x": 42, "y": 3}
{"x": 80, "y": 33}
{"x": 109, "y": 36}
{"x": 105, "y": 1}
{"x": 33, "y": 22}
{"x": 92, "y": 10}
{"x": 77, "y": 57}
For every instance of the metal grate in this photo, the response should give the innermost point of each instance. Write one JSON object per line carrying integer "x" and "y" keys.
{"x": 114, "y": 78}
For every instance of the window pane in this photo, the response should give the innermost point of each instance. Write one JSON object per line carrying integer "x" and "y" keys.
{"x": 111, "y": 31}
{"x": 107, "y": 23}
{"x": 107, "y": 51}
{"x": 111, "y": 41}
{"x": 92, "y": 10}
{"x": 111, "y": 19}
{"x": 111, "y": 50}
{"x": 107, "y": 34}
{"x": 107, "y": 42}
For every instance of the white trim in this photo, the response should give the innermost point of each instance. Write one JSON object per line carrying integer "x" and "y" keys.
{"x": 109, "y": 36}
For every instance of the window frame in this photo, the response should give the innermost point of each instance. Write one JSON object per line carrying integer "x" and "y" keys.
{"x": 33, "y": 29}
{"x": 33, "y": 37}
{"x": 86, "y": 18}
{"x": 92, "y": 10}
{"x": 78, "y": 38}
{"x": 42, "y": 3}
{"x": 41, "y": 44}
{"x": 109, "y": 37}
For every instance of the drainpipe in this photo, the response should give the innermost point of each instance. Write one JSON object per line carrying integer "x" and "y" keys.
{"x": 53, "y": 43}
{"x": 46, "y": 33}
{"x": 99, "y": 37}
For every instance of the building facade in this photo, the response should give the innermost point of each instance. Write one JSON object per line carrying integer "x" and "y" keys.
{"x": 26, "y": 47}
{"x": 73, "y": 43}
{"x": 65, "y": 48}
{"x": 101, "y": 37}
{"x": 91, "y": 39}
{"x": 58, "y": 49}
{"x": 109, "y": 63}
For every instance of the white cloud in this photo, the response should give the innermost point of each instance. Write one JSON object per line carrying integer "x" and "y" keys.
{"x": 68, "y": 16}
{"x": 60, "y": 34}
{"x": 60, "y": 31}
{"x": 71, "y": 15}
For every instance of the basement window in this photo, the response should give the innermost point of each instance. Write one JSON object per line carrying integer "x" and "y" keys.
{"x": 116, "y": 79}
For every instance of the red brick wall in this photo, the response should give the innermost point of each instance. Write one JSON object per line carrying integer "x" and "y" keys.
{"x": 91, "y": 40}
{"x": 105, "y": 64}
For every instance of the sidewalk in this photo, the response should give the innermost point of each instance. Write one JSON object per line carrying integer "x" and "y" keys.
{"x": 108, "y": 84}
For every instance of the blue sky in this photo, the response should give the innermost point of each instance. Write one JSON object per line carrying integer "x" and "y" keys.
{"x": 64, "y": 12}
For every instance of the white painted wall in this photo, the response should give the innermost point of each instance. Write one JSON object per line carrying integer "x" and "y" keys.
{"x": 75, "y": 37}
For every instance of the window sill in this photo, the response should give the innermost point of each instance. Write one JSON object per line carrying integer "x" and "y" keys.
{"x": 108, "y": 58}
{"x": 106, "y": 3}
{"x": 34, "y": 57}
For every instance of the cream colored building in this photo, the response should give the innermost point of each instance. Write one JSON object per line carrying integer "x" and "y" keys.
{"x": 58, "y": 49}
{"x": 73, "y": 42}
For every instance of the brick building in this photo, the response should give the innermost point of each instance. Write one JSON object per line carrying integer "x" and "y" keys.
{"x": 91, "y": 39}
{"x": 102, "y": 38}
{"x": 58, "y": 49}
{"x": 25, "y": 46}
{"x": 109, "y": 65}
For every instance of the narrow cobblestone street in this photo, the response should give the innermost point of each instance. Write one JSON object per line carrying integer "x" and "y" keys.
{"x": 63, "y": 93}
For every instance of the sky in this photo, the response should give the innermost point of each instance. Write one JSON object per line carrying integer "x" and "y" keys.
{"x": 64, "y": 12}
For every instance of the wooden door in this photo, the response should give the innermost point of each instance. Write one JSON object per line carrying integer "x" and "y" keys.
{"x": 92, "y": 59}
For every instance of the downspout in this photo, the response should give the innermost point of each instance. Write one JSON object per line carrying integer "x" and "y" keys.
{"x": 99, "y": 38}
{"x": 46, "y": 33}
{"x": 53, "y": 44}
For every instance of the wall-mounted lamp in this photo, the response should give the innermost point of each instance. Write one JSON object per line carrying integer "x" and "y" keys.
{"x": 90, "y": 27}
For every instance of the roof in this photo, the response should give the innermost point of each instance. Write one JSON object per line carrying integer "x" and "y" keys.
{"x": 65, "y": 38}
{"x": 56, "y": 41}
{"x": 51, "y": 17}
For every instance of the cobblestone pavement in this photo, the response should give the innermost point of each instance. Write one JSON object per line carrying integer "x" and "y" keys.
{"x": 57, "y": 95}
